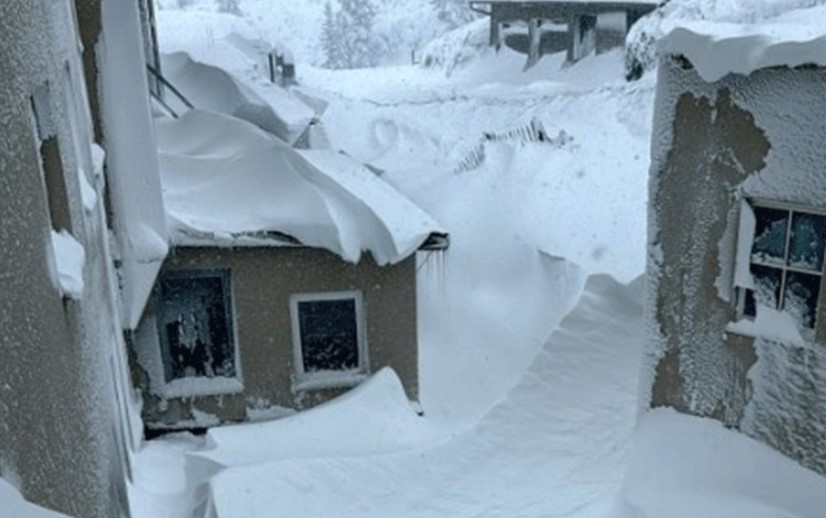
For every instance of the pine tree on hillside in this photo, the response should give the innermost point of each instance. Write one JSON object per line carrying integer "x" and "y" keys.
{"x": 229, "y": 6}
{"x": 453, "y": 12}
{"x": 331, "y": 39}
{"x": 355, "y": 27}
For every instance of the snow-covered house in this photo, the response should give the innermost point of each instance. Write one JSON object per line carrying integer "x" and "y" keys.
{"x": 736, "y": 322}
{"x": 579, "y": 27}
{"x": 292, "y": 277}
{"x": 65, "y": 414}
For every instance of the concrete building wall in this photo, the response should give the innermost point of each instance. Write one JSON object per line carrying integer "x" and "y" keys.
{"x": 57, "y": 420}
{"x": 262, "y": 281}
{"x": 716, "y": 145}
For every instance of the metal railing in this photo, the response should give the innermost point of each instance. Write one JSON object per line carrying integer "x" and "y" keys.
{"x": 158, "y": 95}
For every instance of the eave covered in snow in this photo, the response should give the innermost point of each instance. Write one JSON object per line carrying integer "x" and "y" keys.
{"x": 228, "y": 183}
{"x": 717, "y": 49}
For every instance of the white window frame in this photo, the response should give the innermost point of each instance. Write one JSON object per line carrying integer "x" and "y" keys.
{"x": 194, "y": 386}
{"x": 332, "y": 378}
{"x": 791, "y": 208}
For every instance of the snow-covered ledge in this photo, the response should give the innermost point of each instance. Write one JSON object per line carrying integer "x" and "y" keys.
{"x": 69, "y": 257}
{"x": 717, "y": 49}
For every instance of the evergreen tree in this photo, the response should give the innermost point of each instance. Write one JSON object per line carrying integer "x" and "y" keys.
{"x": 229, "y": 6}
{"x": 453, "y": 12}
{"x": 331, "y": 40}
{"x": 354, "y": 27}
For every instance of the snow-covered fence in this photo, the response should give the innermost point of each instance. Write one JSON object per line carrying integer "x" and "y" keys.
{"x": 534, "y": 131}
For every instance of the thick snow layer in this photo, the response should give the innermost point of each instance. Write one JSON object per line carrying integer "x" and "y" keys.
{"x": 687, "y": 467}
{"x": 14, "y": 506}
{"x": 644, "y": 35}
{"x": 554, "y": 446}
{"x": 224, "y": 178}
{"x": 717, "y": 49}
{"x": 69, "y": 260}
{"x": 131, "y": 163}
{"x": 211, "y": 88}
{"x": 373, "y": 418}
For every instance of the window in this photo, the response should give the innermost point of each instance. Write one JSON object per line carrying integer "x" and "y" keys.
{"x": 328, "y": 339}
{"x": 785, "y": 262}
{"x": 50, "y": 157}
{"x": 195, "y": 325}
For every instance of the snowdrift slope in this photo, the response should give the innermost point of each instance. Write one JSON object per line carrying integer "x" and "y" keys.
{"x": 552, "y": 447}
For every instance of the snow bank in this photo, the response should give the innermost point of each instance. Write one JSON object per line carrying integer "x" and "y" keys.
{"x": 69, "y": 258}
{"x": 14, "y": 506}
{"x": 211, "y": 88}
{"x": 227, "y": 182}
{"x": 372, "y": 418}
{"x": 554, "y": 446}
{"x": 687, "y": 466}
{"x": 717, "y": 49}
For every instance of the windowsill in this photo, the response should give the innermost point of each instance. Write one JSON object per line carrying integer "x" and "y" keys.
{"x": 201, "y": 386}
{"x": 328, "y": 380}
{"x": 754, "y": 329}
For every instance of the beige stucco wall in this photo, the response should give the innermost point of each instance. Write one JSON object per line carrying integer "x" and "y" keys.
{"x": 715, "y": 144}
{"x": 56, "y": 398}
{"x": 262, "y": 281}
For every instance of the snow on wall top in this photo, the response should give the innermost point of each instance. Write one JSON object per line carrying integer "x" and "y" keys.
{"x": 227, "y": 182}
{"x": 717, "y": 49}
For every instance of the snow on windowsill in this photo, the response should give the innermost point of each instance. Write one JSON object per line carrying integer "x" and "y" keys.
{"x": 69, "y": 258}
{"x": 770, "y": 324}
{"x": 201, "y": 386}
{"x": 328, "y": 380}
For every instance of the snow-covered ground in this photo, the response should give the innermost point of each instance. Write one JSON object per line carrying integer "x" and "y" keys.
{"x": 527, "y": 412}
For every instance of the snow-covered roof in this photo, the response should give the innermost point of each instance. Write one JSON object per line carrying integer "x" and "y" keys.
{"x": 716, "y": 49}
{"x": 227, "y": 182}
{"x": 211, "y": 88}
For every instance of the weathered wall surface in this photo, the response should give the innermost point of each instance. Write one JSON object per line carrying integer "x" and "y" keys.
{"x": 56, "y": 397}
{"x": 713, "y": 145}
{"x": 262, "y": 281}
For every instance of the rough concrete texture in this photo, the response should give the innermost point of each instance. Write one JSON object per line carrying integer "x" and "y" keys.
{"x": 730, "y": 140}
{"x": 56, "y": 398}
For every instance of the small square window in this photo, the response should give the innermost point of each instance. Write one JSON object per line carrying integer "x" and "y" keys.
{"x": 785, "y": 262}
{"x": 195, "y": 325}
{"x": 328, "y": 339}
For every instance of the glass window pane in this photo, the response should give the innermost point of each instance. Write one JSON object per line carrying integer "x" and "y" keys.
{"x": 770, "y": 235}
{"x": 800, "y": 299}
{"x": 329, "y": 335}
{"x": 767, "y": 285}
{"x": 808, "y": 238}
{"x": 194, "y": 327}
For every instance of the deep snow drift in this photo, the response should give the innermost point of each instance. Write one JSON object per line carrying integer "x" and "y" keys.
{"x": 227, "y": 182}
{"x": 511, "y": 428}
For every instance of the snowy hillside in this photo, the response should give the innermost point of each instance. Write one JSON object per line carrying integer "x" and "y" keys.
{"x": 402, "y": 27}
{"x": 529, "y": 324}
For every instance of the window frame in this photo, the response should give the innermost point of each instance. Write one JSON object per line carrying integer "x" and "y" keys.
{"x": 741, "y": 293}
{"x": 206, "y": 386}
{"x": 317, "y": 380}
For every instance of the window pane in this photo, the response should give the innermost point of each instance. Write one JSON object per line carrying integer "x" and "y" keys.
{"x": 801, "y": 297}
{"x": 770, "y": 235}
{"x": 195, "y": 328}
{"x": 329, "y": 335}
{"x": 767, "y": 285}
{"x": 808, "y": 238}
